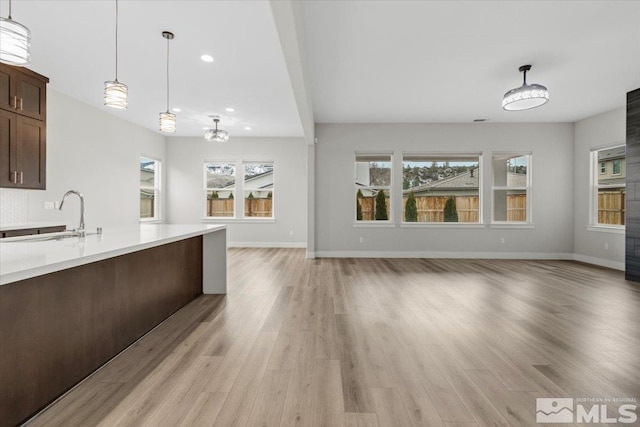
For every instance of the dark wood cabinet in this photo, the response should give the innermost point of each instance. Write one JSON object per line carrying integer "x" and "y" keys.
{"x": 23, "y": 99}
{"x": 31, "y": 231}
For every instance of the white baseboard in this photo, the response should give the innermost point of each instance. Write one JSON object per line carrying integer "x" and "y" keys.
{"x": 266, "y": 244}
{"x": 450, "y": 255}
{"x": 600, "y": 262}
{"x": 311, "y": 255}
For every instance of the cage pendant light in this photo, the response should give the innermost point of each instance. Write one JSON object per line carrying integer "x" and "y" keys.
{"x": 216, "y": 135}
{"x": 167, "y": 120}
{"x": 15, "y": 42}
{"x": 526, "y": 96}
{"x": 115, "y": 93}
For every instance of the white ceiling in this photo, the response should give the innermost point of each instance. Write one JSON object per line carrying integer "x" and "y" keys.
{"x": 452, "y": 61}
{"x": 73, "y": 44}
{"x": 369, "y": 61}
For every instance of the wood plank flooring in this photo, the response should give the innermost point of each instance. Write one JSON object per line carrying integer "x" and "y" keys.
{"x": 373, "y": 342}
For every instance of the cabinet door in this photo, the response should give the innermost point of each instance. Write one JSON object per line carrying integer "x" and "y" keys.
{"x": 7, "y": 88}
{"x": 31, "y": 97}
{"x": 31, "y": 153}
{"x": 8, "y": 171}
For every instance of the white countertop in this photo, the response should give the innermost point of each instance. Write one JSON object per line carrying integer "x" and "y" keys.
{"x": 23, "y": 259}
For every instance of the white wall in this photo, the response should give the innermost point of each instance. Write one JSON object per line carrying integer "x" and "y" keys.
{"x": 594, "y": 132}
{"x": 186, "y": 157}
{"x": 552, "y": 148}
{"x": 96, "y": 153}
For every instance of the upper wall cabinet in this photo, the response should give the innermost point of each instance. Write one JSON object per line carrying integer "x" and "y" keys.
{"x": 23, "y": 92}
{"x": 23, "y": 101}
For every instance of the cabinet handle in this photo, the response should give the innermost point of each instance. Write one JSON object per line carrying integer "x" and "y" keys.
{"x": 14, "y": 177}
{"x": 14, "y": 102}
{"x": 20, "y": 108}
{"x": 21, "y": 177}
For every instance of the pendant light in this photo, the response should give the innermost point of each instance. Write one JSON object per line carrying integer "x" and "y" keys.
{"x": 115, "y": 93}
{"x": 215, "y": 134}
{"x": 526, "y": 96}
{"x": 15, "y": 42}
{"x": 167, "y": 120}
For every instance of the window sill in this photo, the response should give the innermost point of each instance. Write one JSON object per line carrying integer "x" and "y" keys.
{"x": 607, "y": 229}
{"x": 513, "y": 225}
{"x": 151, "y": 221}
{"x": 374, "y": 224}
{"x": 230, "y": 220}
{"x": 450, "y": 225}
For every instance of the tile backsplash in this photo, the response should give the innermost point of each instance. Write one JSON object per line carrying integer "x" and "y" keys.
{"x": 14, "y": 205}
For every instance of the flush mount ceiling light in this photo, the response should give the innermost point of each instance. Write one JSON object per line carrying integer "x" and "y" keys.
{"x": 15, "y": 42}
{"x": 167, "y": 120}
{"x": 115, "y": 93}
{"x": 215, "y": 134}
{"x": 207, "y": 58}
{"x": 526, "y": 96}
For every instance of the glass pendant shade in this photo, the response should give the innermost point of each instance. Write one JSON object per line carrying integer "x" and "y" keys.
{"x": 526, "y": 96}
{"x": 115, "y": 95}
{"x": 167, "y": 122}
{"x": 15, "y": 43}
{"x": 215, "y": 135}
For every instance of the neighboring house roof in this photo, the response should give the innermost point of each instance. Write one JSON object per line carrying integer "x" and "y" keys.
{"x": 464, "y": 181}
{"x": 265, "y": 176}
{"x": 612, "y": 153}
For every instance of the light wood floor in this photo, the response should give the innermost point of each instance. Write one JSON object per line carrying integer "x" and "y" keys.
{"x": 373, "y": 342}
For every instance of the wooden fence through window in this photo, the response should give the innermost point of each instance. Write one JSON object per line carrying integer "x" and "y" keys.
{"x": 611, "y": 207}
{"x": 252, "y": 207}
{"x": 431, "y": 208}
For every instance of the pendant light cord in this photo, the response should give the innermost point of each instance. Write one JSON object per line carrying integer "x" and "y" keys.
{"x": 9, "y": 10}
{"x": 525, "y": 77}
{"x": 116, "y": 40}
{"x": 167, "y": 75}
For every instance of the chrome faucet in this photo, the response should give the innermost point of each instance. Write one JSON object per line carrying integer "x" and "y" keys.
{"x": 80, "y": 229}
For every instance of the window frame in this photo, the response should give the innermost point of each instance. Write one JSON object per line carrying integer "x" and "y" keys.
{"x": 207, "y": 189}
{"x": 157, "y": 189}
{"x": 446, "y": 156}
{"x": 594, "y": 187}
{"x": 528, "y": 188}
{"x": 272, "y": 190}
{"x": 389, "y": 189}
{"x": 603, "y": 168}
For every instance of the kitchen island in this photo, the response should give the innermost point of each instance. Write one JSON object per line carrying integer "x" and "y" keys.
{"x": 70, "y": 304}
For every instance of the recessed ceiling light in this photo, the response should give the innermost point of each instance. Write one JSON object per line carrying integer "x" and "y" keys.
{"x": 229, "y": 110}
{"x": 247, "y": 128}
{"x": 207, "y": 58}
{"x": 176, "y": 110}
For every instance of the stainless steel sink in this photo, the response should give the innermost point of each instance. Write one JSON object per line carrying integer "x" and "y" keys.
{"x": 42, "y": 237}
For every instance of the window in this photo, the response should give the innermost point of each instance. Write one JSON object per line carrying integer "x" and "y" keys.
{"x": 258, "y": 189}
{"x": 609, "y": 191}
{"x": 149, "y": 189}
{"x": 442, "y": 188}
{"x": 373, "y": 187}
{"x": 617, "y": 166}
{"x": 511, "y": 201}
{"x": 220, "y": 182}
{"x": 603, "y": 168}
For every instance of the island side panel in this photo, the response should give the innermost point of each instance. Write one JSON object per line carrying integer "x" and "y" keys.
{"x": 57, "y": 328}
{"x": 214, "y": 262}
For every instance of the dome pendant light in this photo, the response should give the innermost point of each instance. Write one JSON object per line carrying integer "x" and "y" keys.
{"x": 15, "y": 42}
{"x": 526, "y": 96}
{"x": 216, "y": 135}
{"x": 115, "y": 93}
{"x": 167, "y": 120}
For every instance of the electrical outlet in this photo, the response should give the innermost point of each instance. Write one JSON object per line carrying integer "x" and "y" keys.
{"x": 502, "y": 240}
{"x": 290, "y": 232}
{"x": 49, "y": 205}
{"x": 361, "y": 239}
{"x": 606, "y": 246}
